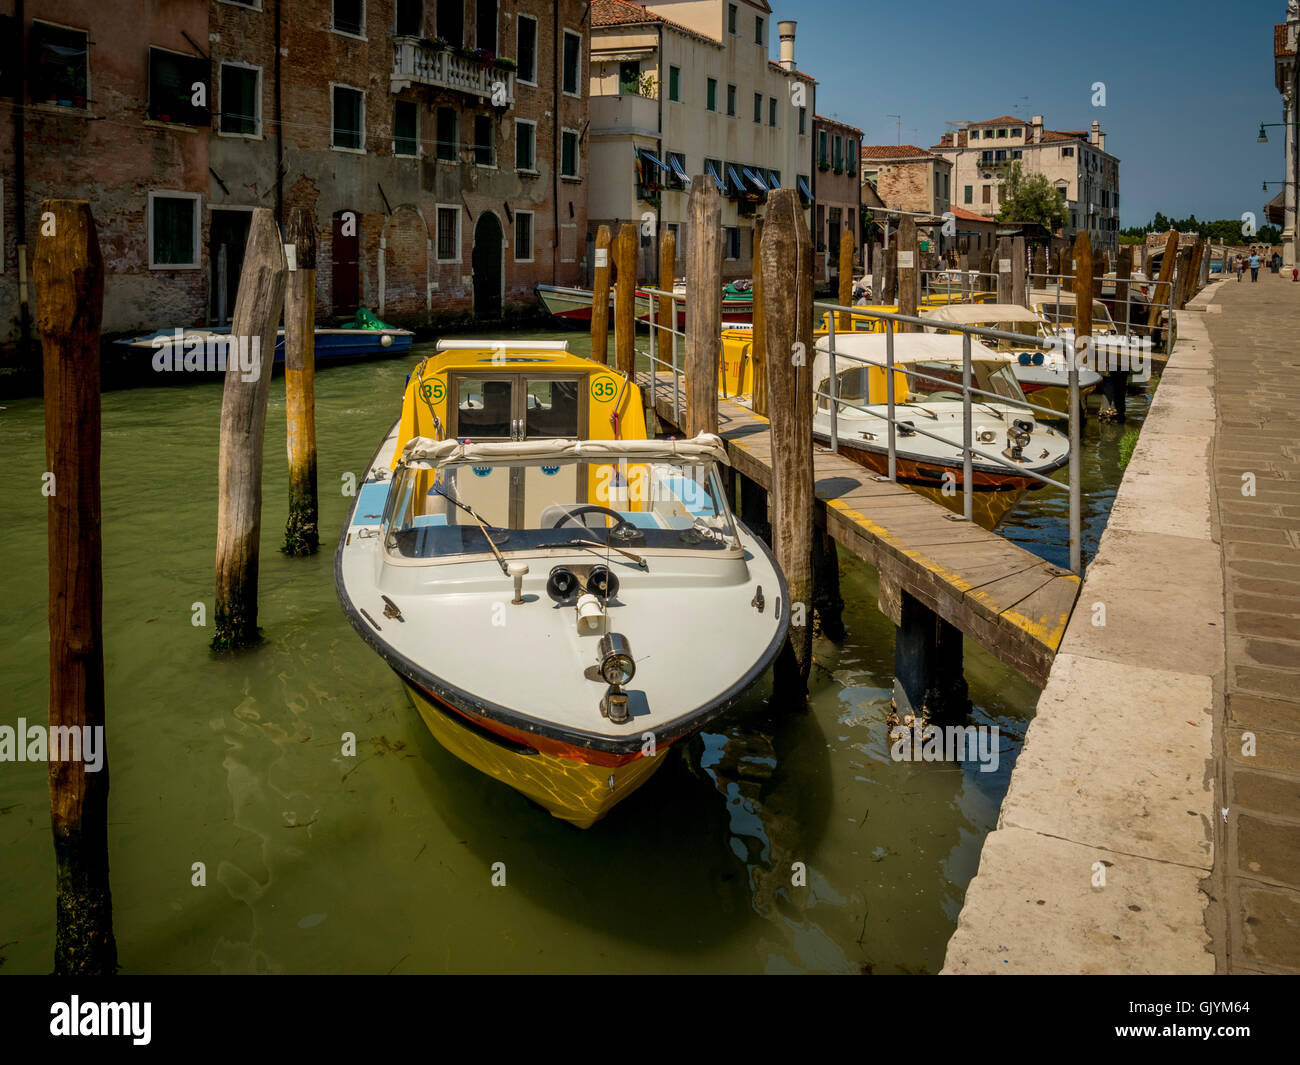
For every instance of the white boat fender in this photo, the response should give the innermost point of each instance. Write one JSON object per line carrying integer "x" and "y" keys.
{"x": 591, "y": 614}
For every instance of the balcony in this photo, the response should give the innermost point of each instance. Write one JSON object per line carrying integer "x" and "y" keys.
{"x": 625, "y": 114}
{"x": 417, "y": 62}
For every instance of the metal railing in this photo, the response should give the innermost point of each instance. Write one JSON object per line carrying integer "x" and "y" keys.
{"x": 968, "y": 391}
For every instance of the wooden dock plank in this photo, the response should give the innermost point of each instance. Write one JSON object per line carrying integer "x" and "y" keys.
{"x": 1007, "y": 599}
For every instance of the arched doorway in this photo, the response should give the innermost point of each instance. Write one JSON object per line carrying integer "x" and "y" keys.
{"x": 488, "y": 266}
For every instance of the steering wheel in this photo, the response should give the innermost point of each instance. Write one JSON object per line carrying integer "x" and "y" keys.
{"x": 621, "y": 530}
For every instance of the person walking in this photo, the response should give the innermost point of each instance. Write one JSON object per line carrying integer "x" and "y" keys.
{"x": 1254, "y": 267}
{"x": 1241, "y": 268}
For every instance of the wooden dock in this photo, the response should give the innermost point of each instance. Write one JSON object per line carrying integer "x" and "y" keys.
{"x": 1006, "y": 599}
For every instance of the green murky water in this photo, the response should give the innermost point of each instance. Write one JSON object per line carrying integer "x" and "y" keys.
{"x": 382, "y": 863}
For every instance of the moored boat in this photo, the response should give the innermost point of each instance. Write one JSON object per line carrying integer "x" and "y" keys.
{"x": 543, "y": 579}
{"x": 934, "y": 467}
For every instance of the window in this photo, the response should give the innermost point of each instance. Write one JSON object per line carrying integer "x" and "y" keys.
{"x": 569, "y": 153}
{"x": 448, "y": 234}
{"x": 673, "y": 180}
{"x": 447, "y": 134}
{"x": 711, "y": 95}
{"x": 629, "y": 78}
{"x": 572, "y": 63}
{"x": 675, "y": 84}
{"x": 805, "y": 189}
{"x": 172, "y": 80}
{"x": 733, "y": 16}
{"x": 525, "y": 145}
{"x": 731, "y": 100}
{"x": 988, "y": 194}
{"x": 409, "y": 19}
{"x": 59, "y": 68}
{"x": 758, "y": 31}
{"x": 758, "y": 108}
{"x": 823, "y": 148}
{"x": 968, "y": 194}
{"x": 1017, "y": 154}
{"x": 1017, "y": 132}
{"x": 485, "y": 141}
{"x": 1067, "y": 153}
{"x": 1000, "y": 156}
{"x": 526, "y": 60}
{"x": 451, "y": 21}
{"x": 839, "y": 153}
{"x": 241, "y": 100}
{"x": 349, "y": 17}
{"x": 1002, "y": 133}
{"x": 771, "y": 111}
{"x": 803, "y": 121}
{"x": 523, "y": 236}
{"x": 851, "y": 157}
{"x": 406, "y": 128}
{"x": 986, "y": 157}
{"x": 732, "y": 234}
{"x": 485, "y": 25}
{"x": 173, "y": 230}
{"x": 349, "y": 118}
{"x": 714, "y": 168}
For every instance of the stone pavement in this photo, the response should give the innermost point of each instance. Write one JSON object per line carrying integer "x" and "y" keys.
{"x": 1255, "y": 331}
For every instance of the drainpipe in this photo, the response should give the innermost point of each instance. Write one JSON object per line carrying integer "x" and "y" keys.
{"x": 555, "y": 146}
{"x": 20, "y": 180}
{"x": 279, "y": 123}
{"x": 652, "y": 272}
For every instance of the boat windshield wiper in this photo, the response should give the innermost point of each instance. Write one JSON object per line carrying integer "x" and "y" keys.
{"x": 487, "y": 535}
{"x": 606, "y": 547}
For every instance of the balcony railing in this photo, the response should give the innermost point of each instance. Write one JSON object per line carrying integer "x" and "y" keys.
{"x": 418, "y": 63}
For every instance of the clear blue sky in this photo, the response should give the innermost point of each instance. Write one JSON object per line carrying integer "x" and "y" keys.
{"x": 1187, "y": 84}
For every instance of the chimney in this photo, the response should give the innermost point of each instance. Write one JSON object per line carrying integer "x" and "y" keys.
{"x": 786, "y": 30}
{"x": 1037, "y": 134}
{"x": 1096, "y": 132}
{"x": 1101, "y": 142}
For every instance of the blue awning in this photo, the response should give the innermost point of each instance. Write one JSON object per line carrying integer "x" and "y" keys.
{"x": 679, "y": 170}
{"x": 756, "y": 179}
{"x": 711, "y": 168}
{"x": 650, "y": 157}
{"x": 773, "y": 180}
{"x": 804, "y": 190}
{"x": 737, "y": 182}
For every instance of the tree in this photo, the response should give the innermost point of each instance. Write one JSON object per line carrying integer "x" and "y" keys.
{"x": 1031, "y": 199}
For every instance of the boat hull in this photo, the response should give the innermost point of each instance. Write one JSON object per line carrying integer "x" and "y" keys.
{"x": 1054, "y": 397}
{"x": 579, "y": 786}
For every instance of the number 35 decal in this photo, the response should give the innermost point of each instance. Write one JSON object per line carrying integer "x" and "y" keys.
{"x": 603, "y": 389}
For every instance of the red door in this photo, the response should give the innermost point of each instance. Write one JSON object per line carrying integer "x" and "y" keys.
{"x": 346, "y": 274}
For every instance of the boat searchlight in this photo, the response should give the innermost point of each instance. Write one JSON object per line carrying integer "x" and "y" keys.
{"x": 618, "y": 668}
{"x": 1018, "y": 434}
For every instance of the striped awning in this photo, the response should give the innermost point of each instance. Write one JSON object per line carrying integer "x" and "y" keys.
{"x": 804, "y": 190}
{"x": 772, "y": 180}
{"x": 737, "y": 182}
{"x": 756, "y": 179}
{"x": 711, "y": 168}
{"x": 679, "y": 170}
{"x": 650, "y": 157}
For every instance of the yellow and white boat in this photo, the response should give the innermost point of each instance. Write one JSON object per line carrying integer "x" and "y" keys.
{"x": 549, "y": 584}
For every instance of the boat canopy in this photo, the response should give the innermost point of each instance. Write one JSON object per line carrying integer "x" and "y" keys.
{"x": 975, "y": 313}
{"x": 421, "y": 452}
{"x": 908, "y": 348}
{"x": 489, "y": 345}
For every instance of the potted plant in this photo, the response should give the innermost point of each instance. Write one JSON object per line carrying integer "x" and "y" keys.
{"x": 506, "y": 63}
{"x": 823, "y": 165}
{"x": 839, "y": 170}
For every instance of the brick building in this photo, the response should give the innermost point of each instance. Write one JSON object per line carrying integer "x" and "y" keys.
{"x": 1286, "y": 76}
{"x": 837, "y": 194}
{"x": 440, "y": 145}
{"x": 908, "y": 178}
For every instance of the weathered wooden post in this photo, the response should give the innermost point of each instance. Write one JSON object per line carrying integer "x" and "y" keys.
{"x": 664, "y": 317}
{"x": 846, "y": 278}
{"x": 301, "y": 535}
{"x": 243, "y": 428}
{"x": 928, "y": 671}
{"x": 1123, "y": 271}
{"x": 1160, "y": 290}
{"x": 703, "y": 307}
{"x": 963, "y": 264}
{"x": 879, "y": 268}
{"x": 758, "y": 337}
{"x": 600, "y": 298}
{"x": 1194, "y": 271}
{"x": 625, "y": 298}
{"x": 787, "y": 280}
{"x": 890, "y": 293}
{"x": 1003, "y": 266}
{"x": 907, "y": 270}
{"x": 1019, "y": 291}
{"x": 1040, "y": 267}
{"x": 68, "y": 271}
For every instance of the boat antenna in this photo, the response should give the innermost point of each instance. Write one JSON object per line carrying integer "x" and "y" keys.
{"x": 481, "y": 524}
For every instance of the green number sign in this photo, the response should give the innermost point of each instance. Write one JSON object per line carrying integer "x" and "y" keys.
{"x": 603, "y": 389}
{"x": 432, "y": 391}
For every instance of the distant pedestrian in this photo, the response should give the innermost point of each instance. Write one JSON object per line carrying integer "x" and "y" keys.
{"x": 1241, "y": 268}
{"x": 1254, "y": 267}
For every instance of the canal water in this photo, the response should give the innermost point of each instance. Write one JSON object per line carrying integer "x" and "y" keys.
{"x": 783, "y": 840}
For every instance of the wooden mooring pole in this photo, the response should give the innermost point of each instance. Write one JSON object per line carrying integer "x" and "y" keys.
{"x": 929, "y": 680}
{"x": 846, "y": 278}
{"x": 301, "y": 534}
{"x": 625, "y": 298}
{"x": 1003, "y": 265}
{"x": 703, "y": 307}
{"x": 907, "y": 269}
{"x": 600, "y": 298}
{"x": 786, "y": 260}
{"x": 1160, "y": 291}
{"x": 68, "y": 271}
{"x": 758, "y": 337}
{"x": 1019, "y": 291}
{"x": 243, "y": 429}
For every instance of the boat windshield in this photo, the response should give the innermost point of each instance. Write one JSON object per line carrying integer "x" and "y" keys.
{"x": 1025, "y": 329}
{"x": 995, "y": 377}
{"x": 1063, "y": 315}
{"x": 534, "y": 504}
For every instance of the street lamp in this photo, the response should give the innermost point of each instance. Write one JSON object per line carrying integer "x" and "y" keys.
{"x": 1263, "y": 137}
